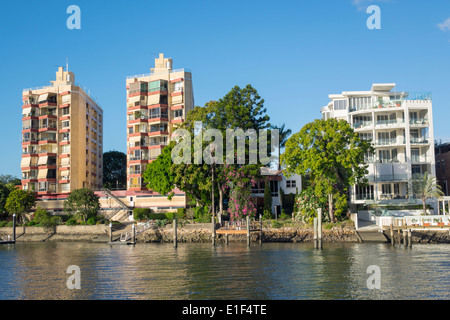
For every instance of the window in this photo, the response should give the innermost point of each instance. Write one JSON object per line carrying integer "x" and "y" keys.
{"x": 291, "y": 184}
{"x": 178, "y": 113}
{"x": 360, "y": 103}
{"x": 386, "y": 189}
{"x": 415, "y": 155}
{"x": 365, "y": 136}
{"x": 340, "y": 104}
{"x": 274, "y": 188}
{"x": 385, "y": 156}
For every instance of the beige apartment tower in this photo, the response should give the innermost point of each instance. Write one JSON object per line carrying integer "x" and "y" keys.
{"x": 156, "y": 103}
{"x": 62, "y": 137}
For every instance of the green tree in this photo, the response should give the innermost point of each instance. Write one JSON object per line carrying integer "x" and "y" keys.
{"x": 20, "y": 202}
{"x": 9, "y": 179}
{"x": 426, "y": 187}
{"x": 158, "y": 174}
{"x": 114, "y": 169}
{"x": 240, "y": 108}
{"x": 332, "y": 154}
{"x": 82, "y": 203}
{"x": 5, "y": 190}
{"x": 267, "y": 197}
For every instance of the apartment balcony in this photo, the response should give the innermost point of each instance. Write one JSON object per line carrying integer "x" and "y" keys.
{"x": 419, "y": 141}
{"x": 387, "y": 178}
{"x": 362, "y": 125}
{"x": 390, "y": 142}
{"x": 419, "y": 160}
{"x": 47, "y": 127}
{"x": 177, "y": 120}
{"x": 419, "y": 123}
{"x": 158, "y": 133}
{"x": 389, "y": 123}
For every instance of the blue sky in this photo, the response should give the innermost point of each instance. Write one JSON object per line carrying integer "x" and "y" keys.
{"x": 294, "y": 53}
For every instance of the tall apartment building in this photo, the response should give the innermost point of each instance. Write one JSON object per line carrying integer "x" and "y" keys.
{"x": 62, "y": 137}
{"x": 400, "y": 126}
{"x": 156, "y": 103}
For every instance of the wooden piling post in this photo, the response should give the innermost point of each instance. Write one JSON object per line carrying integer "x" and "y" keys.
{"x": 319, "y": 228}
{"x": 110, "y": 232}
{"x": 260, "y": 229}
{"x": 315, "y": 233}
{"x": 410, "y": 238}
{"x": 405, "y": 240}
{"x": 248, "y": 230}
{"x": 226, "y": 238}
{"x": 392, "y": 233}
{"x": 213, "y": 231}
{"x": 175, "y": 236}
{"x": 14, "y": 227}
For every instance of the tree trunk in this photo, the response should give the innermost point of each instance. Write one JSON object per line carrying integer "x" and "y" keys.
{"x": 424, "y": 207}
{"x": 220, "y": 203}
{"x": 330, "y": 207}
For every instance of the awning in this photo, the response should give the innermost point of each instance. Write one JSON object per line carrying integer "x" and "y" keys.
{"x": 42, "y": 174}
{"x": 25, "y": 162}
{"x": 26, "y": 111}
{"x": 65, "y": 162}
{"x": 43, "y": 97}
{"x": 43, "y": 160}
{"x": 64, "y": 173}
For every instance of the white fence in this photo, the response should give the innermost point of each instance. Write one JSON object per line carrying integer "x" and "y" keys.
{"x": 414, "y": 221}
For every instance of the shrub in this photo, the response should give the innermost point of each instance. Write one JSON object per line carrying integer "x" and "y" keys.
{"x": 181, "y": 213}
{"x": 283, "y": 215}
{"x": 3, "y": 223}
{"x": 141, "y": 213}
{"x": 91, "y": 221}
{"x": 276, "y": 224}
{"x": 161, "y": 223}
{"x": 267, "y": 215}
{"x": 40, "y": 215}
{"x": 202, "y": 215}
{"x": 157, "y": 216}
{"x": 71, "y": 221}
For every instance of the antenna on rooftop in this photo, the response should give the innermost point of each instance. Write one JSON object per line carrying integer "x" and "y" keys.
{"x": 67, "y": 64}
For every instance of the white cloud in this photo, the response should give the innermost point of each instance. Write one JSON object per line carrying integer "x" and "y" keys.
{"x": 445, "y": 25}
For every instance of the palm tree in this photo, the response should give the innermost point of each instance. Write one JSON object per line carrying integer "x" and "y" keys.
{"x": 283, "y": 138}
{"x": 426, "y": 187}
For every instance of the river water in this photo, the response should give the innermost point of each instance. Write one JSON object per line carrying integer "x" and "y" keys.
{"x": 270, "y": 271}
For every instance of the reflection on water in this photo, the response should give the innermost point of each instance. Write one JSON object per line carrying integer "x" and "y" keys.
{"x": 234, "y": 271}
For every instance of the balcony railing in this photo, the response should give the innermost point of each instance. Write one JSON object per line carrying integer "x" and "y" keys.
{"x": 387, "y": 178}
{"x": 389, "y": 122}
{"x": 359, "y": 125}
{"x": 144, "y": 158}
{"x": 419, "y": 141}
{"x": 418, "y": 122}
{"x": 390, "y": 142}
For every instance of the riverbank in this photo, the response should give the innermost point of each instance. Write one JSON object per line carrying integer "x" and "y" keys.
{"x": 201, "y": 233}
{"x": 285, "y": 234}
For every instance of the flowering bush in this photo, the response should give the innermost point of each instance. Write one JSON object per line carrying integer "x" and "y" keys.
{"x": 239, "y": 181}
{"x": 306, "y": 206}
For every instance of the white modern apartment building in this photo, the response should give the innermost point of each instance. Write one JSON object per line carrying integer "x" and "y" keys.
{"x": 400, "y": 126}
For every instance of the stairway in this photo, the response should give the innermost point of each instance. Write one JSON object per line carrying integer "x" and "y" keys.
{"x": 370, "y": 232}
{"x": 120, "y": 207}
